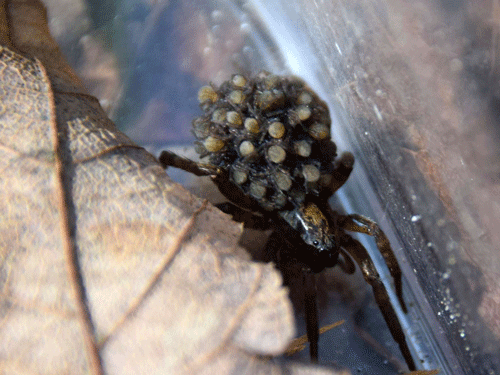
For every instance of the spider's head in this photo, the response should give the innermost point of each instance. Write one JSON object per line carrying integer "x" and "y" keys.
{"x": 322, "y": 249}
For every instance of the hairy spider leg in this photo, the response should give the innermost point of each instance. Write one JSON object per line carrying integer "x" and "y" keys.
{"x": 372, "y": 277}
{"x": 250, "y": 219}
{"x": 169, "y": 159}
{"x": 346, "y": 263}
{"x": 341, "y": 173}
{"x": 311, "y": 311}
{"x": 361, "y": 224}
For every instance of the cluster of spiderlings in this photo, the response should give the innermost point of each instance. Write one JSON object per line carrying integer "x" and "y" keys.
{"x": 271, "y": 133}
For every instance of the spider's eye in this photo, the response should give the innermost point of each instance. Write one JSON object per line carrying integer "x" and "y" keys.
{"x": 315, "y": 242}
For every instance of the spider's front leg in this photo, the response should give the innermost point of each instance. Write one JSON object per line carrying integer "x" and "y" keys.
{"x": 249, "y": 219}
{"x": 360, "y": 224}
{"x": 341, "y": 173}
{"x": 169, "y": 159}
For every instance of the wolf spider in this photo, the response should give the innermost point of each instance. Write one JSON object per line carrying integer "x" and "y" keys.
{"x": 316, "y": 237}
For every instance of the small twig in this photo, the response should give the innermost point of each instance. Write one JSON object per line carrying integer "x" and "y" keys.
{"x": 424, "y": 372}
{"x": 299, "y": 343}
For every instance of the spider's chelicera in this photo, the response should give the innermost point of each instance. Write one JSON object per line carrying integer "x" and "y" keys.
{"x": 268, "y": 149}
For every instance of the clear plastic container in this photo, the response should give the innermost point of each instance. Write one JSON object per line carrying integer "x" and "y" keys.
{"x": 413, "y": 89}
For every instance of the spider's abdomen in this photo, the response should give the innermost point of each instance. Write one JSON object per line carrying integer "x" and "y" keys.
{"x": 272, "y": 135}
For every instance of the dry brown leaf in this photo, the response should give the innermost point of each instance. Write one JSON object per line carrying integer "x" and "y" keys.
{"x": 106, "y": 265}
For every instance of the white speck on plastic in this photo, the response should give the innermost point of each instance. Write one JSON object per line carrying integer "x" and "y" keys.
{"x": 338, "y": 48}
{"x": 217, "y": 16}
{"x": 245, "y": 28}
{"x": 377, "y": 113}
{"x": 416, "y": 218}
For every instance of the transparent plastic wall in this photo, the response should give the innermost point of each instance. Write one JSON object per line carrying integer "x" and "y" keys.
{"x": 414, "y": 92}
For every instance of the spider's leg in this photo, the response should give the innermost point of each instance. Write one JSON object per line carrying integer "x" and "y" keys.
{"x": 251, "y": 220}
{"x": 346, "y": 263}
{"x": 311, "y": 310}
{"x": 343, "y": 168}
{"x": 169, "y": 159}
{"x": 360, "y": 224}
{"x": 361, "y": 256}
{"x": 280, "y": 245}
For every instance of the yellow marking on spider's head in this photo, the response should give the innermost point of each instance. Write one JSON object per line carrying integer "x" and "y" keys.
{"x": 313, "y": 215}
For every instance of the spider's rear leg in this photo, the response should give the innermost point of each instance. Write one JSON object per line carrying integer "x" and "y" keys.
{"x": 169, "y": 159}
{"x": 372, "y": 277}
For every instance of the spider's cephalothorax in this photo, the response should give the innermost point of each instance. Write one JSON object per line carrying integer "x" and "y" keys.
{"x": 321, "y": 249}
{"x": 268, "y": 148}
